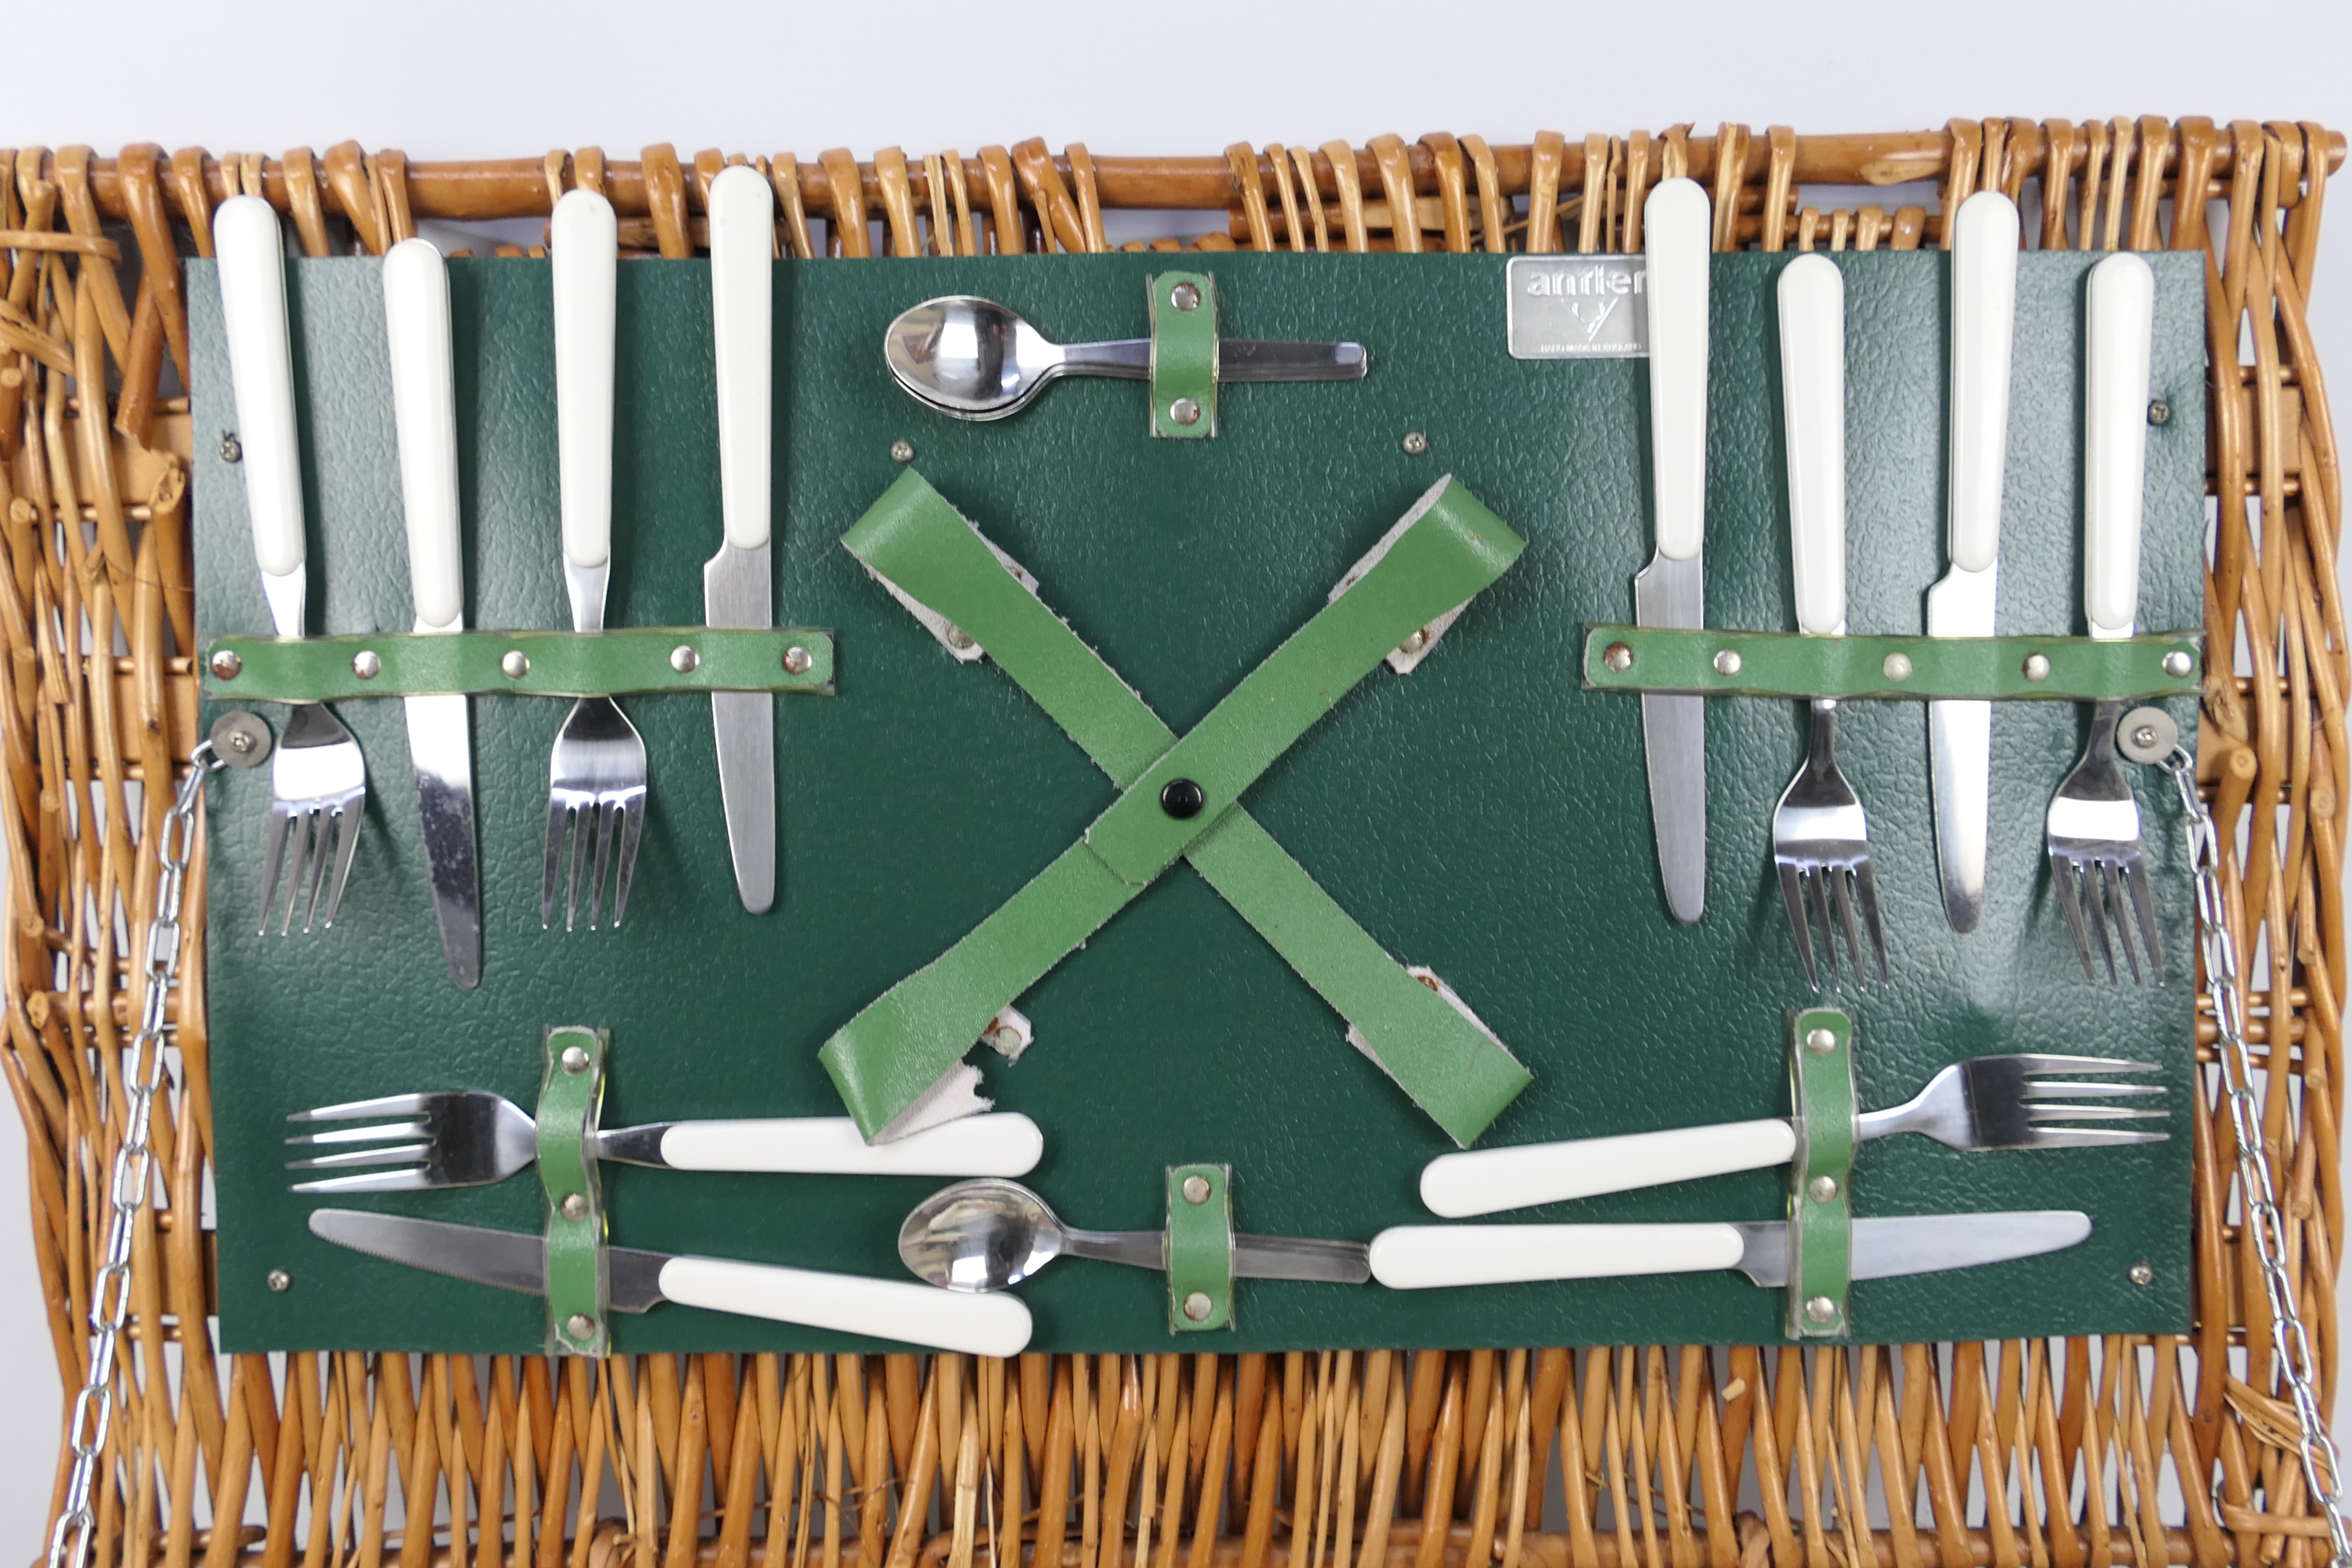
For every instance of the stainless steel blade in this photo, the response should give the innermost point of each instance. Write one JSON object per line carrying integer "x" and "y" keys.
{"x": 737, "y": 591}
{"x": 507, "y": 1259}
{"x": 1669, "y": 592}
{"x": 1960, "y": 750}
{"x": 1922, "y": 1244}
{"x": 440, "y": 751}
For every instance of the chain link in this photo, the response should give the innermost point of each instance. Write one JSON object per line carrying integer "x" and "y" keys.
{"x": 2257, "y": 1190}
{"x": 109, "y": 1296}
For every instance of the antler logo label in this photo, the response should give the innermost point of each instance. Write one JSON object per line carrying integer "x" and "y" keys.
{"x": 1579, "y": 306}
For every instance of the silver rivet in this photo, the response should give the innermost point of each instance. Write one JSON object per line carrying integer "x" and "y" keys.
{"x": 1184, "y": 411}
{"x": 282, "y": 1281}
{"x": 579, "y": 1326}
{"x": 515, "y": 663}
{"x": 2141, "y": 1274}
{"x": 1197, "y": 1306}
{"x": 2037, "y": 667}
{"x": 1820, "y": 1042}
{"x": 2159, "y": 412}
{"x": 798, "y": 660}
{"x": 1617, "y": 658}
{"x": 1196, "y": 1189}
{"x": 366, "y": 664}
{"x": 1820, "y": 1309}
{"x": 902, "y": 451}
{"x": 683, "y": 659}
{"x": 1728, "y": 662}
{"x": 575, "y": 1205}
{"x": 1897, "y": 666}
{"x": 958, "y": 638}
{"x": 1185, "y": 297}
{"x": 232, "y": 450}
{"x": 574, "y": 1059}
{"x": 226, "y": 663}
{"x": 1415, "y": 443}
{"x": 2178, "y": 664}
{"x": 1822, "y": 1189}
{"x": 1415, "y": 643}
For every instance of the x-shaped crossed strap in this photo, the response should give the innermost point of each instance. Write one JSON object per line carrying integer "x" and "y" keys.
{"x": 901, "y": 1054}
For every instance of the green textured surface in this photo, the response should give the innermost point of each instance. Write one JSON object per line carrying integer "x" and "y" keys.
{"x": 1820, "y": 1234}
{"x": 616, "y": 663}
{"x": 896, "y": 1047}
{"x": 1486, "y": 815}
{"x": 1201, "y": 1247}
{"x": 576, "y": 1279}
{"x": 1773, "y": 664}
{"x": 1183, "y": 355}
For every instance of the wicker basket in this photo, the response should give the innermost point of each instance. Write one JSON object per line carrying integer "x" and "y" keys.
{"x": 2182, "y": 1447}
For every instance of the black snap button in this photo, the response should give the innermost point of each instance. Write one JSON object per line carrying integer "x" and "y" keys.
{"x": 1181, "y": 799}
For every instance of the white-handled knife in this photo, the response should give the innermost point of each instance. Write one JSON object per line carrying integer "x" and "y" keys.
{"x": 1959, "y": 733}
{"x": 440, "y": 750}
{"x": 1672, "y": 590}
{"x": 737, "y": 588}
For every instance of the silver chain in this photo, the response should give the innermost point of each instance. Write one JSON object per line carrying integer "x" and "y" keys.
{"x": 2257, "y": 1192}
{"x": 110, "y": 1292}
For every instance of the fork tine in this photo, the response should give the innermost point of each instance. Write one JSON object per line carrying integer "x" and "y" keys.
{"x": 2088, "y": 1137}
{"x": 608, "y": 811}
{"x": 374, "y": 1132}
{"x": 315, "y": 847}
{"x": 414, "y": 1180}
{"x": 1867, "y": 889}
{"x": 558, "y": 816}
{"x": 2144, "y": 905}
{"x": 353, "y": 1110}
{"x": 297, "y": 846}
{"x": 392, "y": 1154}
{"x": 2053, "y": 1088}
{"x": 347, "y": 843}
{"x": 633, "y": 825}
{"x": 1793, "y": 898}
{"x": 584, "y": 827}
{"x": 2111, "y": 897}
{"x": 2094, "y": 908}
{"x": 1817, "y": 890}
{"x": 2039, "y": 1061}
{"x": 2041, "y": 1113}
{"x": 281, "y": 820}
{"x": 1835, "y": 883}
{"x": 2063, "y": 870}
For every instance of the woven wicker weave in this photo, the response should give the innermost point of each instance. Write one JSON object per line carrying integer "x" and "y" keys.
{"x": 2181, "y": 1448}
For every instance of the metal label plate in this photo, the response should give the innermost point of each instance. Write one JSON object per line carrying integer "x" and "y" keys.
{"x": 1578, "y": 307}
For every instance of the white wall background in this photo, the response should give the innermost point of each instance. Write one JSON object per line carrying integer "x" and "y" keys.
{"x": 450, "y": 78}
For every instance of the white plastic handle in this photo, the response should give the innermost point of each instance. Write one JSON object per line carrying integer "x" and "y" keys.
{"x": 584, "y": 241}
{"x": 261, "y": 369}
{"x": 742, "y": 258}
{"x": 898, "y": 1310}
{"x": 1678, "y": 230}
{"x": 1489, "y": 1181}
{"x": 1984, "y": 326}
{"x": 1420, "y": 1256}
{"x": 1000, "y": 1144}
{"x": 425, "y": 413}
{"x": 2115, "y": 444}
{"x": 1812, "y": 386}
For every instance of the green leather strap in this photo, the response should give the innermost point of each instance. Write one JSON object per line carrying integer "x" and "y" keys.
{"x": 571, "y": 1087}
{"x": 1711, "y": 663}
{"x": 614, "y": 663}
{"x": 1200, "y": 1248}
{"x": 1820, "y": 1209}
{"x": 900, "y": 1045}
{"x": 1183, "y": 355}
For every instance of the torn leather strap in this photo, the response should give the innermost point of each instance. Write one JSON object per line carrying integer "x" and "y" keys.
{"x": 893, "y": 1053}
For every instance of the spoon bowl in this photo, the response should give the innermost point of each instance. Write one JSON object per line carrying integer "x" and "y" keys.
{"x": 979, "y": 1235}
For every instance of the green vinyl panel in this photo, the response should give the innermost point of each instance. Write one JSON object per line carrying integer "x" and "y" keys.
{"x": 1486, "y": 815}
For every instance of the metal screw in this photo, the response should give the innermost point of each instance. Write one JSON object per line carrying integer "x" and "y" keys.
{"x": 902, "y": 451}
{"x": 1728, "y": 662}
{"x": 579, "y": 1326}
{"x": 282, "y": 1281}
{"x": 2178, "y": 664}
{"x": 226, "y": 663}
{"x": 1184, "y": 411}
{"x": 683, "y": 659}
{"x": 798, "y": 659}
{"x": 1003, "y": 1040}
{"x": 1416, "y": 443}
{"x": 1897, "y": 666}
{"x": 1185, "y": 297}
{"x": 2143, "y": 737}
{"x": 574, "y": 1059}
{"x": 1415, "y": 643}
{"x": 1196, "y": 1189}
{"x": 2159, "y": 412}
{"x": 575, "y": 1205}
{"x": 1822, "y": 1189}
{"x": 2037, "y": 667}
{"x": 515, "y": 663}
{"x": 241, "y": 739}
{"x": 2141, "y": 1274}
{"x": 1197, "y": 1306}
{"x": 1820, "y": 1309}
{"x": 366, "y": 664}
{"x": 232, "y": 450}
{"x": 1617, "y": 658}
{"x": 959, "y": 638}
{"x": 1820, "y": 1042}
